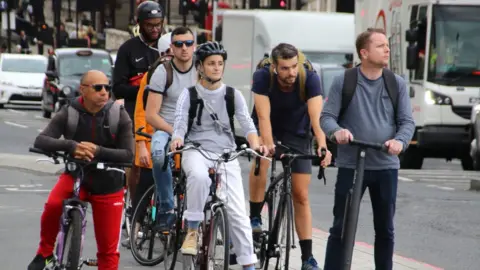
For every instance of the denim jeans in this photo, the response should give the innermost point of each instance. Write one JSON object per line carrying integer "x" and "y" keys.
{"x": 382, "y": 186}
{"x": 163, "y": 178}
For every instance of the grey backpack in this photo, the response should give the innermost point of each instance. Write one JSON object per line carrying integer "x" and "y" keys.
{"x": 113, "y": 116}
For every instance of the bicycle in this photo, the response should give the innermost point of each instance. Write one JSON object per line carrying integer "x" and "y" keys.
{"x": 144, "y": 217}
{"x": 215, "y": 211}
{"x": 278, "y": 199}
{"x": 354, "y": 197}
{"x": 73, "y": 221}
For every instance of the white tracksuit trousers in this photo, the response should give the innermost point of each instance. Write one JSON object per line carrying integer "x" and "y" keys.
{"x": 196, "y": 167}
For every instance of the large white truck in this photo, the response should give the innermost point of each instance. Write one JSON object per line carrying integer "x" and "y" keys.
{"x": 247, "y": 35}
{"x": 435, "y": 46}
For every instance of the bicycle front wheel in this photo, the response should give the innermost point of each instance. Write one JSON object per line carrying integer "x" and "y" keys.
{"x": 72, "y": 243}
{"x": 177, "y": 233}
{"x": 219, "y": 243}
{"x": 146, "y": 244}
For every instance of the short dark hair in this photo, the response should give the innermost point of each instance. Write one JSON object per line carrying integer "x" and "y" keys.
{"x": 284, "y": 51}
{"x": 181, "y": 30}
{"x": 363, "y": 39}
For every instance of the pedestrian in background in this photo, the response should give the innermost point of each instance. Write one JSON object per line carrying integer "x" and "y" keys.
{"x": 371, "y": 116}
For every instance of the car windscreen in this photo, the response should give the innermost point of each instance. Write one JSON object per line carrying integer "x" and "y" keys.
{"x": 24, "y": 65}
{"x": 74, "y": 65}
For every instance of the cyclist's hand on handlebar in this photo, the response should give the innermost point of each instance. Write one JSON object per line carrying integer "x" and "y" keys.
{"x": 175, "y": 144}
{"x": 343, "y": 136}
{"x": 328, "y": 157}
{"x": 83, "y": 152}
{"x": 394, "y": 147}
{"x": 262, "y": 149}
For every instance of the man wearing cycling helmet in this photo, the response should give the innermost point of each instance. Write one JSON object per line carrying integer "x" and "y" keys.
{"x": 134, "y": 58}
{"x": 104, "y": 190}
{"x": 214, "y": 133}
{"x": 160, "y": 113}
{"x": 286, "y": 114}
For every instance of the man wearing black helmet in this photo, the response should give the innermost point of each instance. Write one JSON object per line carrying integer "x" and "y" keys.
{"x": 134, "y": 58}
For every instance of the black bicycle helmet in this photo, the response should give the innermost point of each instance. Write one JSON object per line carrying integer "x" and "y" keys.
{"x": 149, "y": 10}
{"x": 207, "y": 49}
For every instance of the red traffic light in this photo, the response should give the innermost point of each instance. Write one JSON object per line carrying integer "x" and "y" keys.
{"x": 282, "y": 4}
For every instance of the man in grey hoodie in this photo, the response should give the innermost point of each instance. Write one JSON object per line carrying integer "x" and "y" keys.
{"x": 369, "y": 117}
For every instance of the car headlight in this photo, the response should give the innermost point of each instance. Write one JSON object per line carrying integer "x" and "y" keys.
{"x": 67, "y": 90}
{"x": 433, "y": 98}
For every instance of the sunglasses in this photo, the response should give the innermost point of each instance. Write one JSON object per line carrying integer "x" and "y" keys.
{"x": 99, "y": 87}
{"x": 179, "y": 43}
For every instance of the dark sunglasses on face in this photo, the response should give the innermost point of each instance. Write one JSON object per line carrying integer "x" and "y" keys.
{"x": 99, "y": 87}
{"x": 179, "y": 43}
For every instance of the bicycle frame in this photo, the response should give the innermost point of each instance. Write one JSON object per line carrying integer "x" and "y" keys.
{"x": 68, "y": 205}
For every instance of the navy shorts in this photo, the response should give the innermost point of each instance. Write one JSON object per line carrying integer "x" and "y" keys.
{"x": 299, "y": 143}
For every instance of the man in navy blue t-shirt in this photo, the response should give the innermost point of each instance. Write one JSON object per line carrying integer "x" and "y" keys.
{"x": 281, "y": 114}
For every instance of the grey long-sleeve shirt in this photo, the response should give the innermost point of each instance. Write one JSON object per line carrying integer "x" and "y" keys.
{"x": 369, "y": 117}
{"x": 213, "y": 136}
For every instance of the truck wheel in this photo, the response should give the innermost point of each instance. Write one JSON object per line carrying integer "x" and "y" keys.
{"x": 411, "y": 159}
{"x": 468, "y": 163}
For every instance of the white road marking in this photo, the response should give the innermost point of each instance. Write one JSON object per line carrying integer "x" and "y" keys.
{"x": 39, "y": 130}
{"x": 440, "y": 187}
{"x": 17, "y": 112}
{"x": 405, "y": 179}
{"x": 28, "y": 190}
{"x": 38, "y": 117}
{"x": 15, "y": 124}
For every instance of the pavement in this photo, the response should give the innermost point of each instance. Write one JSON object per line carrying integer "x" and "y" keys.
{"x": 436, "y": 221}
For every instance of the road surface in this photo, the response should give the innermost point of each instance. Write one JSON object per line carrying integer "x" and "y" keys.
{"x": 437, "y": 220}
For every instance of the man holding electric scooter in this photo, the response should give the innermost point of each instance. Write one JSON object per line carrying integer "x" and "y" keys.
{"x": 368, "y": 103}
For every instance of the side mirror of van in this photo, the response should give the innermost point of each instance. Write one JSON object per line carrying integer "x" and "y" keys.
{"x": 412, "y": 57}
{"x": 411, "y": 35}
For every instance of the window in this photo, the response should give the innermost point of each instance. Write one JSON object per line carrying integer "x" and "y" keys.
{"x": 418, "y": 19}
{"x": 329, "y": 58}
{"x": 24, "y": 65}
{"x": 73, "y": 65}
{"x": 455, "y": 46}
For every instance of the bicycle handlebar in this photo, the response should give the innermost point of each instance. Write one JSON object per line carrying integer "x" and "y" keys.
{"x": 293, "y": 154}
{"x": 99, "y": 164}
{"x": 225, "y": 157}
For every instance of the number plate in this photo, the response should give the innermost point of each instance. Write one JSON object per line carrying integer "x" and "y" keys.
{"x": 32, "y": 93}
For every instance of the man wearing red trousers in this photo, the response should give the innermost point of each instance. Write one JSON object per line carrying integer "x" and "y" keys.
{"x": 92, "y": 140}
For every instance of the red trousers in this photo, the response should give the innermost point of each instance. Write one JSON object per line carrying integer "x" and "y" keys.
{"x": 107, "y": 218}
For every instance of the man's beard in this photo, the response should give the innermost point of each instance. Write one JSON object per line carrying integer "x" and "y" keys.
{"x": 147, "y": 37}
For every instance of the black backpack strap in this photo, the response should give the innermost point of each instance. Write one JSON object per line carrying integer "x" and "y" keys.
{"x": 392, "y": 88}
{"x": 192, "y": 111}
{"x": 348, "y": 90}
{"x": 230, "y": 101}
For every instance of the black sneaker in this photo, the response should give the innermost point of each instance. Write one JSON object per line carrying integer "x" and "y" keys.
{"x": 39, "y": 262}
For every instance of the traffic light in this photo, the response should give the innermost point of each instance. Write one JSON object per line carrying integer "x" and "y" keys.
{"x": 183, "y": 8}
{"x": 279, "y": 4}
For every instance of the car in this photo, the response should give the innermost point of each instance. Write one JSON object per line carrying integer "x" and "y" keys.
{"x": 21, "y": 79}
{"x": 65, "y": 68}
{"x": 327, "y": 73}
